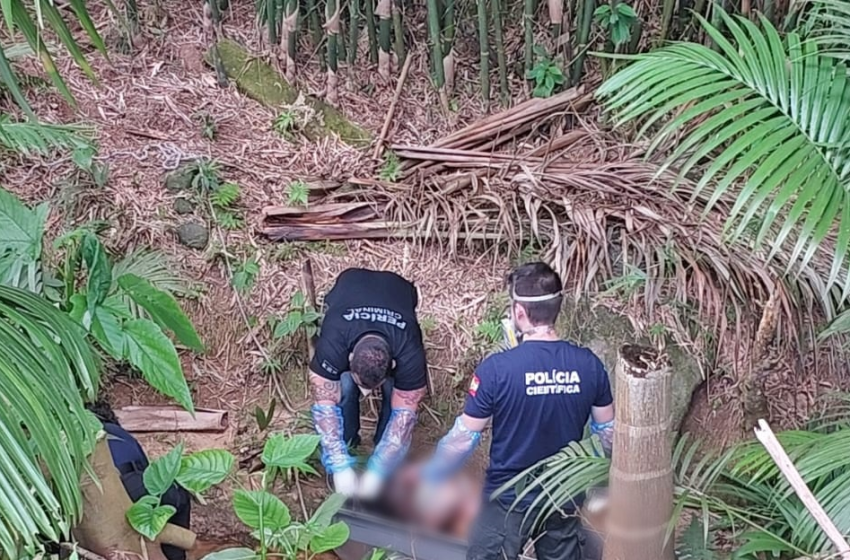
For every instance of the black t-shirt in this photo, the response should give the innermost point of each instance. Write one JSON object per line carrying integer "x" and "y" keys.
{"x": 369, "y": 301}
{"x": 540, "y": 396}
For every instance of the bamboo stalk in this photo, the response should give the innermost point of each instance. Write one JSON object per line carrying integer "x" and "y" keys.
{"x": 332, "y": 26}
{"x": 434, "y": 30}
{"x": 484, "y": 50}
{"x": 288, "y": 37}
{"x": 666, "y": 19}
{"x": 448, "y": 44}
{"x": 370, "y": 28}
{"x": 528, "y": 27}
{"x": 398, "y": 29}
{"x": 641, "y": 485}
{"x": 384, "y": 13}
{"x": 316, "y": 30}
{"x": 499, "y": 38}
{"x": 353, "y": 30}
{"x": 271, "y": 19}
{"x": 342, "y": 47}
{"x": 699, "y": 8}
{"x": 556, "y": 16}
{"x": 585, "y": 23}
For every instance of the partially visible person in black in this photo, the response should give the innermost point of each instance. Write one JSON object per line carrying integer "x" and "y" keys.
{"x": 130, "y": 460}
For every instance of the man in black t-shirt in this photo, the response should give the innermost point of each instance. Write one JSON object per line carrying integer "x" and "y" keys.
{"x": 370, "y": 338}
{"x": 539, "y": 396}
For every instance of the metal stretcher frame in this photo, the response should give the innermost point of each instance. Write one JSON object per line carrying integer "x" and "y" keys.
{"x": 369, "y": 531}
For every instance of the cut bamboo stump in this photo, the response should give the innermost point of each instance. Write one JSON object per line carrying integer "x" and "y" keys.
{"x": 641, "y": 487}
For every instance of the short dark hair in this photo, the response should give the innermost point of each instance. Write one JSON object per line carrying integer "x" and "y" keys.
{"x": 370, "y": 360}
{"x": 537, "y": 279}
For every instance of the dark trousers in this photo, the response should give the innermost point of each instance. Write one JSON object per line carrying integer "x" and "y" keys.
{"x": 350, "y": 405}
{"x": 498, "y": 534}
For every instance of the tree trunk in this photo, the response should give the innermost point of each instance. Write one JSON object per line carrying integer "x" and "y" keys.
{"x": 641, "y": 486}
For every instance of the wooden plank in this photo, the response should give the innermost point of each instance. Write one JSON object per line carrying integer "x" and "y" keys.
{"x": 171, "y": 419}
{"x": 767, "y": 438}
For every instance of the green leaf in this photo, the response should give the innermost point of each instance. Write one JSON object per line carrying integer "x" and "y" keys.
{"x": 149, "y": 518}
{"x": 161, "y": 473}
{"x": 200, "y": 471}
{"x": 288, "y": 452}
{"x": 99, "y": 270}
{"x": 21, "y": 228}
{"x": 311, "y": 316}
{"x": 288, "y": 325}
{"x": 83, "y": 157}
{"x": 333, "y": 537}
{"x": 162, "y": 308}
{"x": 258, "y": 508}
{"x": 232, "y": 554}
{"x": 298, "y": 299}
{"x": 626, "y": 10}
{"x": 105, "y": 326}
{"x": 323, "y": 516}
{"x": 154, "y": 355}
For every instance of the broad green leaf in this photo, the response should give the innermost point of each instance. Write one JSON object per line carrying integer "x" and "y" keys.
{"x": 154, "y": 355}
{"x": 162, "y": 472}
{"x": 232, "y": 554}
{"x": 333, "y": 537}
{"x": 99, "y": 270}
{"x": 105, "y": 326}
{"x": 148, "y": 519}
{"x": 287, "y": 452}
{"x": 162, "y": 308}
{"x": 21, "y": 228}
{"x": 200, "y": 471}
{"x": 323, "y": 516}
{"x": 257, "y": 509}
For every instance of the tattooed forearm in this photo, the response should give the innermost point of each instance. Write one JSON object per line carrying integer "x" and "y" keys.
{"x": 324, "y": 390}
{"x": 408, "y": 399}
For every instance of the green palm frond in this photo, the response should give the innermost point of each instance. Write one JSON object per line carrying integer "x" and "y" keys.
{"x": 831, "y": 22}
{"x": 30, "y": 19}
{"x": 29, "y": 137}
{"x": 45, "y": 432}
{"x": 763, "y": 125}
{"x": 740, "y": 489}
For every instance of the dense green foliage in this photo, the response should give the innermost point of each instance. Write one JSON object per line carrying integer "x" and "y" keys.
{"x": 127, "y": 316}
{"x": 46, "y": 368}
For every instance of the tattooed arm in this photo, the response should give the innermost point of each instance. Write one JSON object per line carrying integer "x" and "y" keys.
{"x": 327, "y": 419}
{"x": 602, "y": 425}
{"x": 325, "y": 391}
{"x": 408, "y": 399}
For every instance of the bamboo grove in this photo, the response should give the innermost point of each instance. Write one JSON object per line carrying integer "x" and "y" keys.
{"x": 516, "y": 41}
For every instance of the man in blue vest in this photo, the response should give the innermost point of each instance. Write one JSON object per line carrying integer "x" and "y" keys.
{"x": 539, "y": 397}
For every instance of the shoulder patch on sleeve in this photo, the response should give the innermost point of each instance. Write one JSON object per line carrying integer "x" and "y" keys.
{"x": 474, "y": 384}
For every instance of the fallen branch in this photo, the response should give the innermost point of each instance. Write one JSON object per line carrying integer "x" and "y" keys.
{"x": 379, "y": 147}
{"x": 767, "y": 438}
